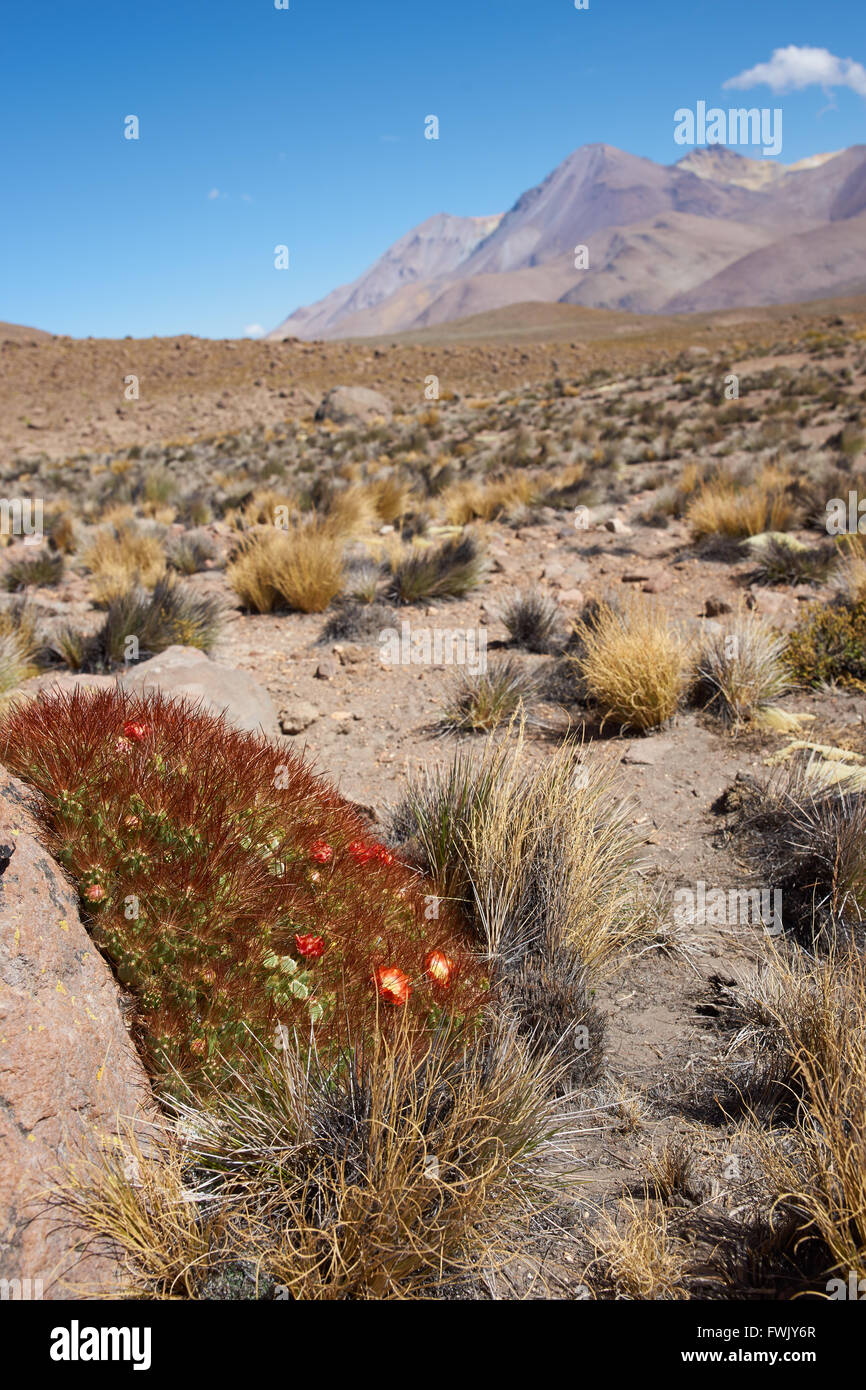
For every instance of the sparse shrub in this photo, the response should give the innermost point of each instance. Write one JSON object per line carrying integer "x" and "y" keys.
{"x": 632, "y": 663}
{"x": 301, "y": 568}
{"x": 741, "y": 670}
{"x": 449, "y": 570}
{"x": 32, "y": 571}
{"x": 480, "y": 702}
{"x": 828, "y": 645}
{"x": 260, "y": 898}
{"x": 533, "y": 620}
{"x": 120, "y": 557}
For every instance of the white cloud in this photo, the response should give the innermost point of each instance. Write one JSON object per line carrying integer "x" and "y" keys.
{"x": 253, "y": 330}
{"x": 793, "y": 68}
{"x": 214, "y": 193}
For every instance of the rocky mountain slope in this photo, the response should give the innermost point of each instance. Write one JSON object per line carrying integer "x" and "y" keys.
{"x": 715, "y": 230}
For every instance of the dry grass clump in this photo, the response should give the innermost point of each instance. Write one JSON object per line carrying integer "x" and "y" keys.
{"x": 723, "y": 508}
{"x": 448, "y": 570}
{"x": 480, "y": 702}
{"x": 816, "y": 1010}
{"x": 120, "y": 557}
{"x": 632, "y": 663}
{"x": 18, "y": 648}
{"x": 808, "y": 834}
{"x": 534, "y": 621}
{"x": 641, "y": 1259}
{"x": 467, "y": 500}
{"x": 385, "y": 1173}
{"x": 32, "y": 571}
{"x": 741, "y": 670}
{"x": 541, "y": 862}
{"x": 533, "y": 853}
{"x": 301, "y": 568}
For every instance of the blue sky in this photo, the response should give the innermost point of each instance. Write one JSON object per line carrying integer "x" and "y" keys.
{"x": 305, "y": 127}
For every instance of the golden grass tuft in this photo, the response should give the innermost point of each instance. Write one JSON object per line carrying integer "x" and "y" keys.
{"x": 120, "y": 557}
{"x": 301, "y": 568}
{"x": 722, "y": 508}
{"x": 633, "y": 663}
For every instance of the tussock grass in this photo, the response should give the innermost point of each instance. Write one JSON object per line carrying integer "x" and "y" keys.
{"x": 18, "y": 648}
{"x": 722, "y": 508}
{"x": 380, "y": 1174}
{"x": 741, "y": 670}
{"x": 639, "y": 1258}
{"x": 481, "y": 702}
{"x": 301, "y": 568}
{"x": 120, "y": 557}
{"x": 632, "y": 663}
{"x": 534, "y": 621}
{"x": 448, "y": 570}
{"x": 535, "y": 855}
{"x": 32, "y": 571}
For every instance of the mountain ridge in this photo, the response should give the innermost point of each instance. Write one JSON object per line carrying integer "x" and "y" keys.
{"x": 715, "y": 229}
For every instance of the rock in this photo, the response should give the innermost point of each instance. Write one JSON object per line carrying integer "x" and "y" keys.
{"x": 572, "y": 596}
{"x": 343, "y": 404}
{"x": 714, "y": 607}
{"x": 636, "y": 577}
{"x": 764, "y": 539}
{"x": 766, "y": 601}
{"x": 326, "y": 669}
{"x": 70, "y": 1077}
{"x": 352, "y": 654}
{"x": 618, "y": 526}
{"x": 297, "y": 716}
{"x": 186, "y": 672}
{"x": 65, "y": 681}
{"x": 659, "y": 583}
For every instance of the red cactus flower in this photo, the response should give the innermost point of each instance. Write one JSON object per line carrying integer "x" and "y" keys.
{"x": 197, "y": 1046}
{"x": 309, "y": 945}
{"x": 364, "y": 853}
{"x": 136, "y": 729}
{"x": 321, "y": 851}
{"x": 392, "y": 984}
{"x": 94, "y": 892}
{"x": 440, "y": 967}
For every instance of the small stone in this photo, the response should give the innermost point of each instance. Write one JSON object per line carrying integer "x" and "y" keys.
{"x": 326, "y": 669}
{"x": 714, "y": 607}
{"x": 572, "y": 596}
{"x": 618, "y": 526}
{"x": 297, "y": 716}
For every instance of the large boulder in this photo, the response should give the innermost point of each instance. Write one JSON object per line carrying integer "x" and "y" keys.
{"x": 343, "y": 404}
{"x": 186, "y": 672}
{"x": 70, "y": 1078}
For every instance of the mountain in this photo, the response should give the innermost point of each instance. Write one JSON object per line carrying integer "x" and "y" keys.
{"x": 715, "y": 230}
